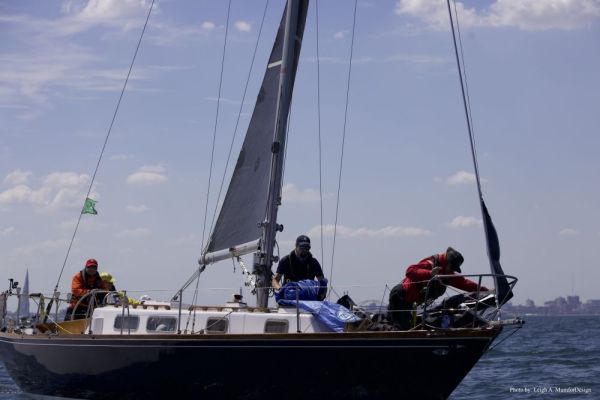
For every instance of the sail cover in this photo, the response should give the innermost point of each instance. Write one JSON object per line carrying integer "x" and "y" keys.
{"x": 245, "y": 203}
{"x": 503, "y": 290}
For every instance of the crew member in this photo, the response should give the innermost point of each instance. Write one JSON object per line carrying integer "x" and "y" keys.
{"x": 415, "y": 287}
{"x": 109, "y": 281}
{"x": 82, "y": 283}
{"x": 299, "y": 265}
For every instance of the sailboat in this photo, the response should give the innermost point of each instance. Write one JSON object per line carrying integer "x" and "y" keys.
{"x": 147, "y": 351}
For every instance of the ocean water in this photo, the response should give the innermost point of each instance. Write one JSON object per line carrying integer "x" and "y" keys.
{"x": 550, "y": 357}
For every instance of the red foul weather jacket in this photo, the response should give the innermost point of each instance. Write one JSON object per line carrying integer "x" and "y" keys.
{"x": 419, "y": 274}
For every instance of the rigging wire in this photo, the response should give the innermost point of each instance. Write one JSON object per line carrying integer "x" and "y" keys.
{"x": 114, "y": 117}
{"x": 237, "y": 122}
{"x": 337, "y": 206}
{"x": 383, "y": 297}
{"x": 319, "y": 129}
{"x": 464, "y": 96}
{"x": 515, "y": 330}
{"x": 464, "y": 68}
{"x": 212, "y": 154}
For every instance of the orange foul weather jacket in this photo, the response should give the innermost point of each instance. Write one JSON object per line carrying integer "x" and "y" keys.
{"x": 419, "y": 274}
{"x": 83, "y": 283}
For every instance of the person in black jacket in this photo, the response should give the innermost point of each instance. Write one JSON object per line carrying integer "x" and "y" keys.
{"x": 298, "y": 265}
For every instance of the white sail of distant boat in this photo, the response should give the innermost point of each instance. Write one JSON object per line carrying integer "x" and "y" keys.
{"x": 24, "y": 298}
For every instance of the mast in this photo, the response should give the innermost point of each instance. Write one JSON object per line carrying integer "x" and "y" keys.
{"x": 263, "y": 258}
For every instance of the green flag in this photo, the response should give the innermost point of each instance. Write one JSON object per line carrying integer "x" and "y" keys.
{"x": 89, "y": 207}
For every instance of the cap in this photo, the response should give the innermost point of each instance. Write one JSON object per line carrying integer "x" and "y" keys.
{"x": 454, "y": 259}
{"x": 107, "y": 277}
{"x": 91, "y": 263}
{"x": 302, "y": 241}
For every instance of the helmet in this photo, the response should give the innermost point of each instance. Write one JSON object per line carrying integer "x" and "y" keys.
{"x": 107, "y": 277}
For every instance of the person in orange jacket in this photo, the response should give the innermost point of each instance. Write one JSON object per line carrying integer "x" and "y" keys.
{"x": 82, "y": 283}
{"x": 415, "y": 286}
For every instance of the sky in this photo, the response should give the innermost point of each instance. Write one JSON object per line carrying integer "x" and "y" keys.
{"x": 407, "y": 188}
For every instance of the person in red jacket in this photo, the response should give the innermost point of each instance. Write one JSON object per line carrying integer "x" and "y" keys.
{"x": 414, "y": 287}
{"x": 82, "y": 283}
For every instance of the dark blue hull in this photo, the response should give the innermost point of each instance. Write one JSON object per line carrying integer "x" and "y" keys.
{"x": 373, "y": 365}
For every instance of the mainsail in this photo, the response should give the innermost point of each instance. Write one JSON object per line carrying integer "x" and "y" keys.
{"x": 245, "y": 204}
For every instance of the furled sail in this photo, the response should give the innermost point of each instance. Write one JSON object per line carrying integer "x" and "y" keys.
{"x": 503, "y": 289}
{"x": 245, "y": 203}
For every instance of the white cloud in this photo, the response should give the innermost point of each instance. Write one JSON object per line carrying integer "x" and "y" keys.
{"x": 568, "y": 232}
{"x": 138, "y": 209}
{"x": 435, "y": 12}
{"x": 242, "y": 26}
{"x": 86, "y": 224}
{"x": 385, "y": 232}
{"x": 50, "y": 63}
{"x": 461, "y": 178}
{"x": 464, "y": 222}
{"x": 223, "y": 100}
{"x": 544, "y": 14}
{"x": 34, "y": 77}
{"x": 123, "y": 14}
{"x": 289, "y": 244}
{"x": 340, "y": 34}
{"x": 528, "y": 15}
{"x": 67, "y": 189}
{"x": 7, "y": 231}
{"x": 186, "y": 240}
{"x": 292, "y": 194}
{"x": 208, "y": 25}
{"x": 148, "y": 175}
{"x": 134, "y": 233}
{"x": 21, "y": 194}
{"x": 120, "y": 157}
{"x": 47, "y": 247}
{"x": 17, "y": 177}
{"x": 417, "y": 59}
{"x": 61, "y": 179}
{"x": 57, "y": 190}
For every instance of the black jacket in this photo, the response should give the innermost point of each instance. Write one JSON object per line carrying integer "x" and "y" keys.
{"x": 295, "y": 269}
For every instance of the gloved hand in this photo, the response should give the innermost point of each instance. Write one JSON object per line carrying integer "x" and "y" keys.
{"x": 435, "y": 271}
